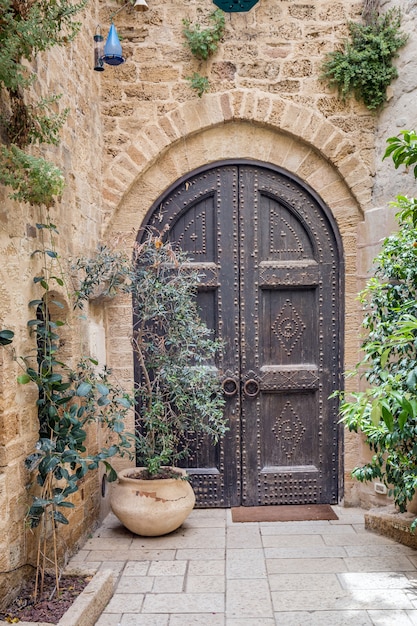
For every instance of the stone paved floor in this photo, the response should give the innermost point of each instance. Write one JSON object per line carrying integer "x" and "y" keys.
{"x": 212, "y": 572}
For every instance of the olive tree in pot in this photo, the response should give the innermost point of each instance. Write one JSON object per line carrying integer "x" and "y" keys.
{"x": 179, "y": 395}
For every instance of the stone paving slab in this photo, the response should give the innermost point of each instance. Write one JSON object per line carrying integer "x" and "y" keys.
{"x": 380, "y": 564}
{"x": 212, "y": 572}
{"x": 324, "y": 618}
{"x": 393, "y": 618}
{"x": 313, "y": 600}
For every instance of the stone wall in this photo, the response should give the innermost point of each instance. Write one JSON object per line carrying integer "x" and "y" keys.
{"x": 77, "y": 216}
{"x": 266, "y": 102}
{"x": 134, "y": 130}
{"x": 398, "y": 114}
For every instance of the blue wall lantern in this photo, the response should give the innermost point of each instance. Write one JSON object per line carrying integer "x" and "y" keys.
{"x": 235, "y": 6}
{"x": 112, "y": 53}
{"x": 113, "y": 48}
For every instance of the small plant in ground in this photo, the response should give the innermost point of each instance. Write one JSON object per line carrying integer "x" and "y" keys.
{"x": 200, "y": 83}
{"x": 386, "y": 413}
{"x": 70, "y": 399}
{"x": 203, "y": 43}
{"x": 364, "y": 68}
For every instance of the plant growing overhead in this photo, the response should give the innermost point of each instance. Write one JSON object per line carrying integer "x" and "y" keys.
{"x": 203, "y": 43}
{"x": 386, "y": 413}
{"x": 364, "y": 68}
{"x": 27, "y": 28}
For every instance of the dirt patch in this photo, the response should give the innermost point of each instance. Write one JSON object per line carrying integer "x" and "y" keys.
{"x": 48, "y": 607}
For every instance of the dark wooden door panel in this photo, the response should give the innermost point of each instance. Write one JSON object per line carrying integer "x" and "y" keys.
{"x": 290, "y": 304}
{"x": 271, "y": 271}
{"x": 288, "y": 327}
{"x": 201, "y": 214}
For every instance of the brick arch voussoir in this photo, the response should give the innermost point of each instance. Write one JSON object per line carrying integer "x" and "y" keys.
{"x": 254, "y": 106}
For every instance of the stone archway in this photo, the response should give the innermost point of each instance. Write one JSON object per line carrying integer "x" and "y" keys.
{"x": 250, "y": 140}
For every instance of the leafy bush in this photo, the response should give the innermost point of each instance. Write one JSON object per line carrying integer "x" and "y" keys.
{"x": 386, "y": 413}
{"x": 33, "y": 179}
{"x": 203, "y": 42}
{"x": 179, "y": 394}
{"x": 364, "y": 68}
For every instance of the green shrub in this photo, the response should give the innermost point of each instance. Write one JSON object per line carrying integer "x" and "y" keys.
{"x": 364, "y": 68}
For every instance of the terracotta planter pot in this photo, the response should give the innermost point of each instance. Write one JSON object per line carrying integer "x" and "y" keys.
{"x": 151, "y": 507}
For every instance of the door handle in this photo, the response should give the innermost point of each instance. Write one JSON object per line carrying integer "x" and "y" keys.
{"x": 251, "y": 388}
{"x": 229, "y": 386}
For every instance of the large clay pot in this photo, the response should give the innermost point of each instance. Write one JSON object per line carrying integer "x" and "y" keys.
{"x": 151, "y": 507}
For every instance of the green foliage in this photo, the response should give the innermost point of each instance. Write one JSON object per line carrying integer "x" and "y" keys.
{"x": 180, "y": 396}
{"x": 38, "y": 123}
{"x": 364, "y": 68}
{"x": 33, "y": 179}
{"x": 200, "y": 83}
{"x": 403, "y": 149}
{"x": 6, "y": 337}
{"x": 69, "y": 400}
{"x": 29, "y": 28}
{"x": 107, "y": 272}
{"x": 386, "y": 413}
{"x": 203, "y": 42}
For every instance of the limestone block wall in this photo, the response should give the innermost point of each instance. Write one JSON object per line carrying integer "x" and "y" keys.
{"x": 134, "y": 130}
{"x": 77, "y": 216}
{"x": 266, "y": 102}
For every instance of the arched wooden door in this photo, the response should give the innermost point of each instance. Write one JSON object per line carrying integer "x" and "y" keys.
{"x": 272, "y": 290}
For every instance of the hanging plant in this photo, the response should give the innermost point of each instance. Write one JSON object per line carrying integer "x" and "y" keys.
{"x": 364, "y": 68}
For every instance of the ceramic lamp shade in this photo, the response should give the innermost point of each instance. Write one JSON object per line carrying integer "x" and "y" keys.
{"x": 113, "y": 49}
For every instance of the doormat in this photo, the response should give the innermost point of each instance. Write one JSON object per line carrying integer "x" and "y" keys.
{"x": 283, "y": 513}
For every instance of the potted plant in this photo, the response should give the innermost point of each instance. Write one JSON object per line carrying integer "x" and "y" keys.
{"x": 178, "y": 392}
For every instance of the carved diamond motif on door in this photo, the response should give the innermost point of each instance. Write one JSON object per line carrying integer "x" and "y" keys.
{"x": 288, "y": 327}
{"x": 289, "y": 432}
